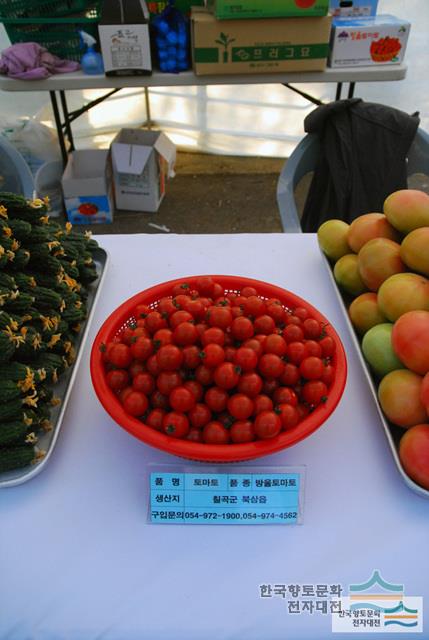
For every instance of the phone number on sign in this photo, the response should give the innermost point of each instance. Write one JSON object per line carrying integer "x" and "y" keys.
{"x": 213, "y": 515}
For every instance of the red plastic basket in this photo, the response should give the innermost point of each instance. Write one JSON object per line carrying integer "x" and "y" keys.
{"x": 123, "y": 317}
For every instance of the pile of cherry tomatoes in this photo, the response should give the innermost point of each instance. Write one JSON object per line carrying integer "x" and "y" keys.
{"x": 220, "y": 367}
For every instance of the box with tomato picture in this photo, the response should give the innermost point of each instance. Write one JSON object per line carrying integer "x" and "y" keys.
{"x": 230, "y": 9}
{"x": 87, "y": 187}
{"x": 376, "y": 40}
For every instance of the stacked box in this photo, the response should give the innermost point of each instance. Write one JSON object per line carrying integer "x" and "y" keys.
{"x": 377, "y": 40}
{"x": 258, "y": 45}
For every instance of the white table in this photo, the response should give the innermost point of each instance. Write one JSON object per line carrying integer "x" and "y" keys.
{"x": 78, "y": 558}
{"x": 77, "y": 81}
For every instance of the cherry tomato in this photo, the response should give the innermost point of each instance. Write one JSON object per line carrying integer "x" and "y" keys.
{"x": 219, "y": 317}
{"x": 155, "y": 418}
{"x": 290, "y": 375}
{"x": 276, "y": 311}
{"x": 301, "y": 313}
{"x": 166, "y": 307}
{"x": 199, "y": 415}
{"x": 181, "y": 287}
{"x": 119, "y": 355}
{"x": 271, "y": 366}
{"x": 196, "y": 308}
{"x": 135, "y": 403}
{"x": 167, "y": 381}
{"x": 128, "y": 334}
{"x": 248, "y": 291}
{"x": 328, "y": 346}
{"x": 152, "y": 365}
{"x": 312, "y": 328}
{"x": 216, "y": 399}
{"x": 240, "y": 406}
{"x": 227, "y": 375}
{"x": 311, "y": 368}
{"x": 144, "y": 382}
{"x": 154, "y": 321}
{"x": 328, "y": 374}
{"x": 289, "y": 415}
{"x": 196, "y": 388}
{"x": 213, "y": 335}
{"x": 246, "y": 358}
{"x": 275, "y": 344}
{"x": 204, "y": 375}
{"x": 312, "y": 348}
{"x": 291, "y": 319}
{"x": 217, "y": 291}
{"x": 191, "y": 356}
{"x": 161, "y": 337}
{"x": 254, "y": 306}
{"x": 267, "y": 425}
{"x": 254, "y": 344}
{"x": 314, "y": 392}
{"x": 215, "y": 433}
{"x": 293, "y": 333}
{"x": 135, "y": 368}
{"x": 285, "y": 395}
{"x": 169, "y": 357}
{"x": 264, "y": 324}
{"x": 142, "y": 310}
{"x": 181, "y": 399}
{"x": 296, "y": 352}
{"x": 117, "y": 379}
{"x": 230, "y": 353}
{"x": 175, "y": 424}
{"x": 250, "y": 384}
{"x": 242, "y": 328}
{"x": 124, "y": 393}
{"x": 185, "y": 333}
{"x": 205, "y": 285}
{"x": 142, "y": 348}
{"x": 212, "y": 355}
{"x": 242, "y": 431}
{"x": 262, "y": 402}
{"x": 178, "y": 317}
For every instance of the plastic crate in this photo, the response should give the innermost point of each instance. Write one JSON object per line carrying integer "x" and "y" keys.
{"x": 38, "y": 8}
{"x": 60, "y": 35}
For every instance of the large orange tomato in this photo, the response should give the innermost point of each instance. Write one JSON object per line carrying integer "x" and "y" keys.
{"x": 414, "y": 453}
{"x": 410, "y": 340}
{"x": 399, "y": 396}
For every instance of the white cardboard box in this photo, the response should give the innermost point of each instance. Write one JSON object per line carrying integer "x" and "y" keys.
{"x": 87, "y": 187}
{"x": 376, "y": 40}
{"x": 124, "y": 38}
{"x": 141, "y": 162}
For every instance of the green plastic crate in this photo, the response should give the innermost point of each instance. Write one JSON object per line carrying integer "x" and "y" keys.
{"x": 39, "y": 8}
{"x": 59, "y": 35}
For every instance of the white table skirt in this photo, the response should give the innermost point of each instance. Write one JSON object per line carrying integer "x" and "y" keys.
{"x": 78, "y": 559}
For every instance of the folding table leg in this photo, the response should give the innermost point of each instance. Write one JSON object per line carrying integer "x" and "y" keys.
{"x": 339, "y": 89}
{"x": 59, "y": 126}
{"x": 67, "y": 124}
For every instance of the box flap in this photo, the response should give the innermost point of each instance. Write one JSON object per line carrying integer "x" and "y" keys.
{"x": 130, "y": 158}
{"x": 167, "y": 150}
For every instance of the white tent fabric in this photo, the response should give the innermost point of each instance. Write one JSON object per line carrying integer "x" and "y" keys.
{"x": 246, "y": 120}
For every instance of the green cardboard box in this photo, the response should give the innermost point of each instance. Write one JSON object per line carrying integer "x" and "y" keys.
{"x": 258, "y": 46}
{"x": 157, "y": 6}
{"x": 235, "y": 9}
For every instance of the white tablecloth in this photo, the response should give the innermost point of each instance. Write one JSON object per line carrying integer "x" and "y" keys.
{"x": 78, "y": 559}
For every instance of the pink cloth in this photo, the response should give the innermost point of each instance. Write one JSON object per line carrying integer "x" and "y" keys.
{"x": 30, "y": 61}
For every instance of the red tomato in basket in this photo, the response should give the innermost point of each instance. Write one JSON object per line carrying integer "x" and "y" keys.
{"x": 175, "y": 424}
{"x": 119, "y": 355}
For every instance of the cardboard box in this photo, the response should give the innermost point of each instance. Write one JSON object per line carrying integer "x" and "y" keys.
{"x": 231, "y": 9}
{"x": 141, "y": 162}
{"x": 258, "y": 46}
{"x": 378, "y": 40}
{"x": 87, "y": 187}
{"x": 124, "y": 38}
{"x": 352, "y": 8}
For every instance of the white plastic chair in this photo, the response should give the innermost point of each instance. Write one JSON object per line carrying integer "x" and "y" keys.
{"x": 303, "y": 160}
